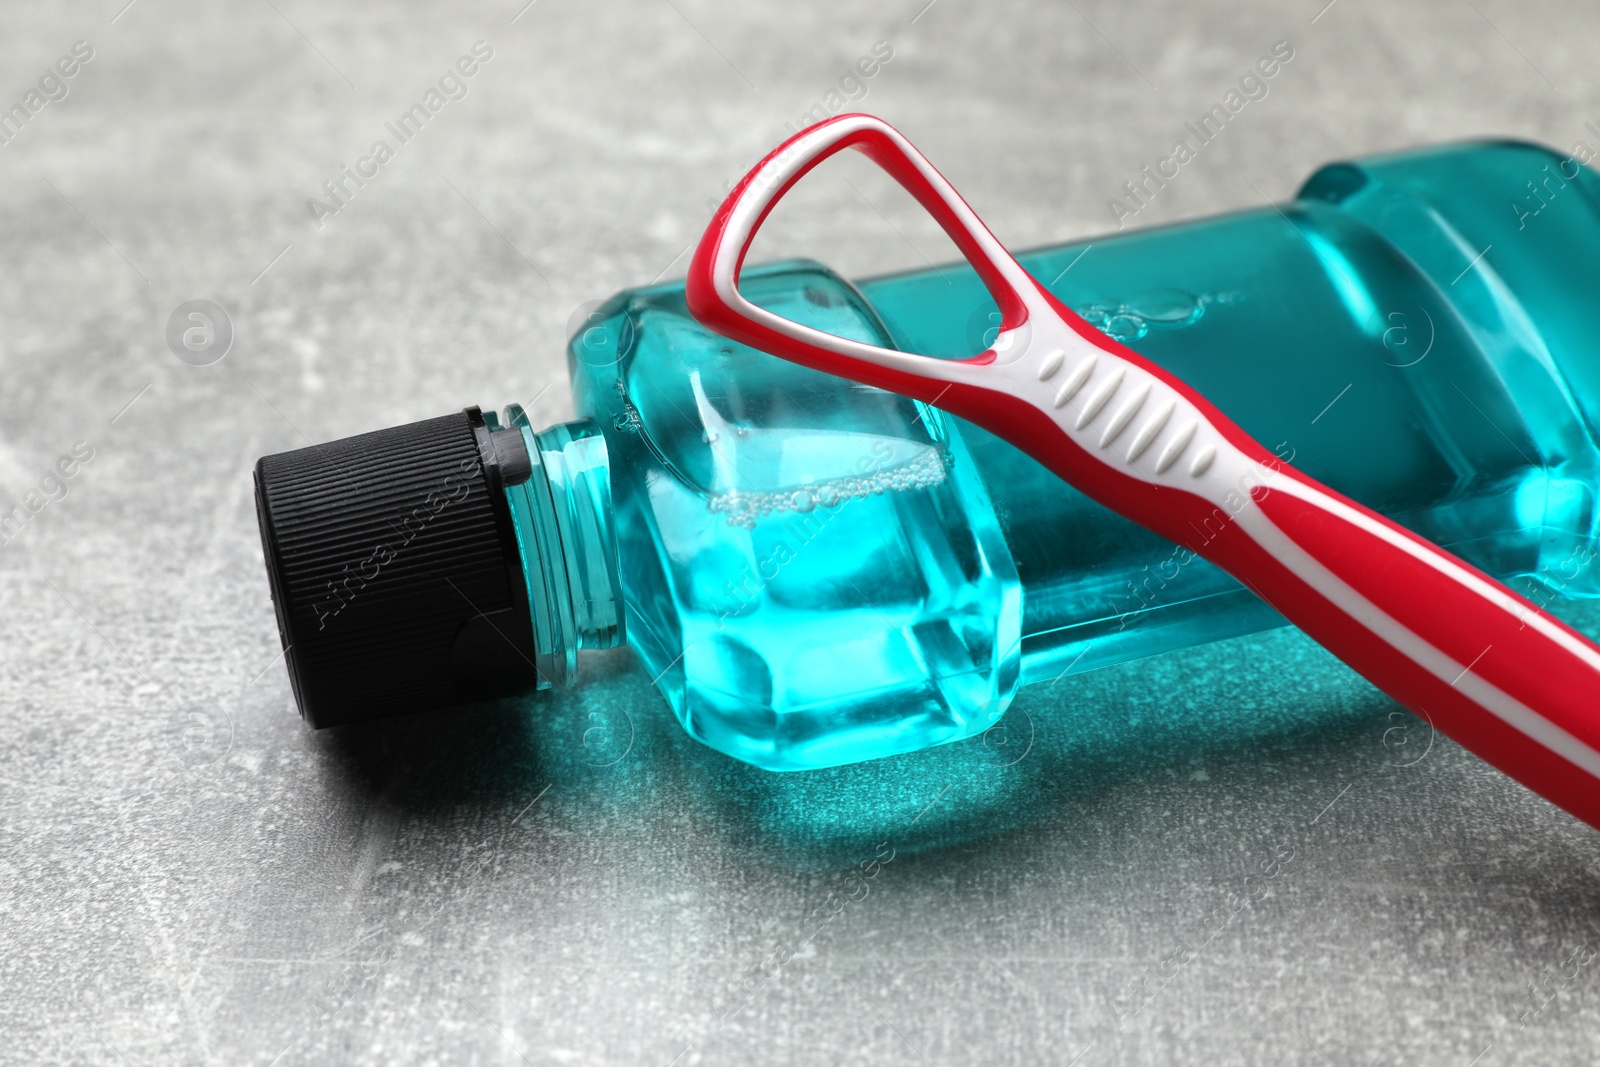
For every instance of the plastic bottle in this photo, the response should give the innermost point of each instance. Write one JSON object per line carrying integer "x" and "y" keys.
{"x": 815, "y": 573}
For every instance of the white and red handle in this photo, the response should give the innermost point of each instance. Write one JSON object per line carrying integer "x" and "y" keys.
{"x": 1479, "y": 662}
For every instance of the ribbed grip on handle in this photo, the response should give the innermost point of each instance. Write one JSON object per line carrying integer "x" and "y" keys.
{"x": 395, "y": 571}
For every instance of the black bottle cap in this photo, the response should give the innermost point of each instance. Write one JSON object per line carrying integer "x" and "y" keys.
{"x": 394, "y": 569}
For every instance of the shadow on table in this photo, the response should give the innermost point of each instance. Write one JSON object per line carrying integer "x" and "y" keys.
{"x": 1062, "y": 752}
{"x": 479, "y": 754}
{"x": 611, "y": 753}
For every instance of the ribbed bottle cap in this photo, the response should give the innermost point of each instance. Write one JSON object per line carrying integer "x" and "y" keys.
{"x": 395, "y": 571}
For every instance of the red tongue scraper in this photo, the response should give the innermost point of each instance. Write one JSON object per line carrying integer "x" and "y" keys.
{"x": 1451, "y": 644}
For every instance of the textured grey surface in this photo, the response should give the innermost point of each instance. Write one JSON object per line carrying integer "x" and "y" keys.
{"x": 188, "y": 876}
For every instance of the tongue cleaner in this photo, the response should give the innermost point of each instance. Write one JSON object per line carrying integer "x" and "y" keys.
{"x": 1449, "y": 643}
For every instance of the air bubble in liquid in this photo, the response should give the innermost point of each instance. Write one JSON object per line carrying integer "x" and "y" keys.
{"x": 928, "y": 467}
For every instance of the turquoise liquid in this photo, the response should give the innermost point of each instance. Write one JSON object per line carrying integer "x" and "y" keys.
{"x": 817, "y": 573}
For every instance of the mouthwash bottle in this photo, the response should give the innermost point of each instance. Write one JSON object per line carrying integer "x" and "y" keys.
{"x": 814, "y": 572}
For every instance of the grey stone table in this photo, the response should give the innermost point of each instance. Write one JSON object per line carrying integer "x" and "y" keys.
{"x": 189, "y": 876}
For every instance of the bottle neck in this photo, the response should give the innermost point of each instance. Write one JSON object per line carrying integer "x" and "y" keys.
{"x": 567, "y": 541}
